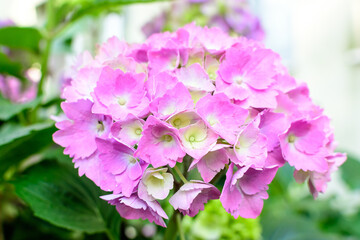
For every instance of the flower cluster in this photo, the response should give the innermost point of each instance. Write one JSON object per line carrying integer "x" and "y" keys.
{"x": 137, "y": 114}
{"x": 232, "y": 16}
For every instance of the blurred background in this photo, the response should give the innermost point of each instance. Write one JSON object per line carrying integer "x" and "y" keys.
{"x": 319, "y": 41}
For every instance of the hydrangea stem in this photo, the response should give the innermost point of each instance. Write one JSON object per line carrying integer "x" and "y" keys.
{"x": 50, "y": 24}
{"x": 174, "y": 228}
{"x": 177, "y": 170}
{"x": 179, "y": 226}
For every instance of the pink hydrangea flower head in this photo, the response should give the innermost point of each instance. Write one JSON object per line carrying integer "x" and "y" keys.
{"x": 137, "y": 115}
{"x": 78, "y": 134}
{"x": 119, "y": 94}
{"x": 192, "y": 196}
{"x": 160, "y": 144}
{"x": 245, "y": 190}
{"x": 155, "y": 184}
{"x": 134, "y": 208}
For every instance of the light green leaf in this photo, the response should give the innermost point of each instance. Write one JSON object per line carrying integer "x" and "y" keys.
{"x": 11, "y": 131}
{"x": 350, "y": 172}
{"x": 20, "y": 37}
{"x": 9, "y": 109}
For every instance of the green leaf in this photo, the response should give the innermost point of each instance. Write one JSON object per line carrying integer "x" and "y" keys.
{"x": 19, "y": 142}
{"x": 20, "y": 37}
{"x": 91, "y": 7}
{"x": 350, "y": 172}
{"x": 57, "y": 194}
{"x": 11, "y": 131}
{"x": 9, "y": 109}
{"x": 9, "y": 67}
{"x": 103, "y": 5}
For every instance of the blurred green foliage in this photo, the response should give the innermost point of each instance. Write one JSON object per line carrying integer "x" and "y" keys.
{"x": 215, "y": 223}
{"x": 291, "y": 213}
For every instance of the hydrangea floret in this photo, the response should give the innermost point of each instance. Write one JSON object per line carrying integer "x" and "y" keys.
{"x": 139, "y": 118}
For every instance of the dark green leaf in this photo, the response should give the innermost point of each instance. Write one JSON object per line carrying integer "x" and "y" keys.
{"x": 9, "y": 109}
{"x": 26, "y": 226}
{"x": 9, "y": 67}
{"x": 20, "y": 37}
{"x": 19, "y": 142}
{"x": 56, "y": 194}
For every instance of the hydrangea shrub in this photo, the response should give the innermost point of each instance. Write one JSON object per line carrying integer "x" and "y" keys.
{"x": 222, "y": 105}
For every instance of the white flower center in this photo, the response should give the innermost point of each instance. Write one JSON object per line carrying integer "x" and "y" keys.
{"x": 239, "y": 80}
{"x": 132, "y": 160}
{"x": 121, "y": 101}
{"x": 100, "y": 127}
{"x": 138, "y": 131}
{"x": 291, "y": 138}
{"x": 177, "y": 122}
{"x": 167, "y": 138}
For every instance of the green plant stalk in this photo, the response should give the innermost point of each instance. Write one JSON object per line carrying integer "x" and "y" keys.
{"x": 1, "y": 221}
{"x": 44, "y": 66}
{"x": 109, "y": 235}
{"x": 50, "y": 24}
{"x": 1, "y": 229}
{"x": 177, "y": 170}
{"x": 179, "y": 226}
{"x": 22, "y": 118}
{"x": 174, "y": 227}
